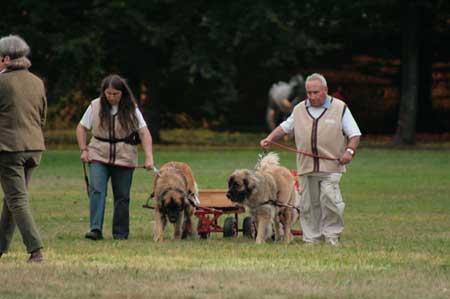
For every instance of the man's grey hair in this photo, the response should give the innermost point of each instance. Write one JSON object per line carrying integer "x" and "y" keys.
{"x": 317, "y": 76}
{"x": 17, "y": 49}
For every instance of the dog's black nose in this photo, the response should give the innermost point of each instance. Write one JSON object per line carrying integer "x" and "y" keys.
{"x": 229, "y": 195}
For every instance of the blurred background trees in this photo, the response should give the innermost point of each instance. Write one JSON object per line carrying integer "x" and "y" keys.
{"x": 210, "y": 63}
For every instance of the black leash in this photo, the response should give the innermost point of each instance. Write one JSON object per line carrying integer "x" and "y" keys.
{"x": 86, "y": 179}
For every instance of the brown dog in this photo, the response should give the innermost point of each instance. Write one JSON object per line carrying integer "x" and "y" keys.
{"x": 176, "y": 195}
{"x": 268, "y": 192}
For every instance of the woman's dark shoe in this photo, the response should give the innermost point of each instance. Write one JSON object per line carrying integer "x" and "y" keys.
{"x": 36, "y": 257}
{"x": 94, "y": 235}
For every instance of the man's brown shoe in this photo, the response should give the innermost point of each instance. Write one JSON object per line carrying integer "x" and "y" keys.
{"x": 36, "y": 257}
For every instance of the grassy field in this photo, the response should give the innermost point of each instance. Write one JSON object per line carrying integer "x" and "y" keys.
{"x": 396, "y": 242}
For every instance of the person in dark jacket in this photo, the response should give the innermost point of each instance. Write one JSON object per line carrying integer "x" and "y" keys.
{"x": 23, "y": 107}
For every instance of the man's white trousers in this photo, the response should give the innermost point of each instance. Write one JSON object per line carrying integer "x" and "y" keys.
{"x": 321, "y": 206}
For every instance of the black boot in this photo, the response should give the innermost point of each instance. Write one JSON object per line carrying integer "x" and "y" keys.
{"x": 94, "y": 235}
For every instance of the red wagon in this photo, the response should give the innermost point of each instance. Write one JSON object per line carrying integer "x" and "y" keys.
{"x": 213, "y": 204}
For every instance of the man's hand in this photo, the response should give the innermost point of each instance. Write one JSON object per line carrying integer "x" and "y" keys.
{"x": 349, "y": 151}
{"x": 345, "y": 158}
{"x": 276, "y": 134}
{"x": 265, "y": 144}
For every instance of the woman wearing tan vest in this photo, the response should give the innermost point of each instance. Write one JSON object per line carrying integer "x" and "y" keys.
{"x": 115, "y": 122}
{"x": 322, "y": 126}
{"x": 23, "y": 107}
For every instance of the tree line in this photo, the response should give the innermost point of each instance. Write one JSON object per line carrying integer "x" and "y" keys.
{"x": 210, "y": 63}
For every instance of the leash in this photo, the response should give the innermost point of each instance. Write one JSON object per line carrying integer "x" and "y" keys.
{"x": 86, "y": 180}
{"x": 155, "y": 169}
{"x": 147, "y": 205}
{"x": 288, "y": 148}
{"x": 152, "y": 195}
{"x": 276, "y": 203}
{"x": 279, "y": 204}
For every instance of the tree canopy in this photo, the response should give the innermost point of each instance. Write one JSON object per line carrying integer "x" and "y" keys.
{"x": 211, "y": 60}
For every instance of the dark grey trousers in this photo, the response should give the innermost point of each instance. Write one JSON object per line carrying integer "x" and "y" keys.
{"x": 15, "y": 174}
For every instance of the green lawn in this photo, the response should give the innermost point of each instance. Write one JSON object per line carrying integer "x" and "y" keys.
{"x": 396, "y": 243}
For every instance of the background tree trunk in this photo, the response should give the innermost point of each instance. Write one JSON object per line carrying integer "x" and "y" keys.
{"x": 413, "y": 72}
{"x": 149, "y": 101}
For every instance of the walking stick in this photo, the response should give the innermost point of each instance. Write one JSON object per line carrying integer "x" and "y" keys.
{"x": 86, "y": 179}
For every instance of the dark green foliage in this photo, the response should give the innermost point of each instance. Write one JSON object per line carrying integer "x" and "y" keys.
{"x": 213, "y": 60}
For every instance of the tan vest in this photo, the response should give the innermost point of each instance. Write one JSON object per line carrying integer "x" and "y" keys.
{"x": 321, "y": 136}
{"x": 120, "y": 153}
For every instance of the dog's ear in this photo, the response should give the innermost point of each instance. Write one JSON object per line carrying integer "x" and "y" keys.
{"x": 230, "y": 181}
{"x": 246, "y": 182}
{"x": 190, "y": 195}
{"x": 163, "y": 193}
{"x": 248, "y": 185}
{"x": 161, "y": 204}
{"x": 193, "y": 198}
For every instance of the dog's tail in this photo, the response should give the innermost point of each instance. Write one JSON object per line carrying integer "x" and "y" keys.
{"x": 271, "y": 159}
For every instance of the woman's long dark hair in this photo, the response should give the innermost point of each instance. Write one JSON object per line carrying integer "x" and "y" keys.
{"x": 127, "y": 106}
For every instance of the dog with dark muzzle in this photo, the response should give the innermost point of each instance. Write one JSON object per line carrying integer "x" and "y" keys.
{"x": 176, "y": 196}
{"x": 269, "y": 194}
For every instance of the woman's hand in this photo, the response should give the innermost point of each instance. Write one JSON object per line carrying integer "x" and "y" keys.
{"x": 148, "y": 163}
{"x": 84, "y": 157}
{"x": 81, "y": 133}
{"x": 146, "y": 140}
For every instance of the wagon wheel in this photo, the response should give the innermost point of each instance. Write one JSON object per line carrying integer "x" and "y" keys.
{"x": 230, "y": 228}
{"x": 248, "y": 228}
{"x": 202, "y": 235}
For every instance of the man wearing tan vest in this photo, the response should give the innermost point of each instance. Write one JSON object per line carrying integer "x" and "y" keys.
{"x": 322, "y": 126}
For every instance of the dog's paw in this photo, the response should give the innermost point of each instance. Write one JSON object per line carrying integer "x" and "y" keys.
{"x": 158, "y": 238}
{"x": 288, "y": 238}
{"x": 260, "y": 241}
